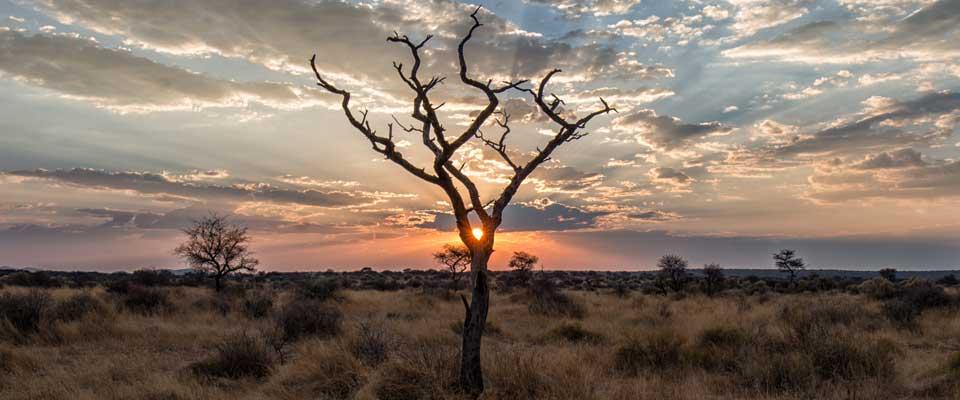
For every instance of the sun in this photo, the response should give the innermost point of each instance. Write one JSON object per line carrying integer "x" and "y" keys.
{"x": 477, "y": 233}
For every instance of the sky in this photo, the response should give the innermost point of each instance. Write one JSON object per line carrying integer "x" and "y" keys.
{"x": 742, "y": 127}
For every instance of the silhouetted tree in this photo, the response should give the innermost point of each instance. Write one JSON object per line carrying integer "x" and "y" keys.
{"x": 787, "y": 262}
{"x": 455, "y": 258}
{"x": 217, "y": 248}
{"x": 523, "y": 263}
{"x": 447, "y": 176}
{"x": 673, "y": 270}
{"x": 712, "y": 278}
{"x": 889, "y": 274}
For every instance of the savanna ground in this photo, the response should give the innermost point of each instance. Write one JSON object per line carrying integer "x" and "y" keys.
{"x": 257, "y": 341}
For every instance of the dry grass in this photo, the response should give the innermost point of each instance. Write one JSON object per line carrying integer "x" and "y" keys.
{"x": 400, "y": 345}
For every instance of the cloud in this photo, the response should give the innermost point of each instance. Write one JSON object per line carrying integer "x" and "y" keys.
{"x": 653, "y": 216}
{"x": 895, "y": 124}
{"x": 80, "y": 68}
{"x": 347, "y": 37}
{"x": 756, "y": 15}
{"x": 157, "y": 184}
{"x": 541, "y": 215}
{"x": 902, "y": 174}
{"x": 929, "y": 34}
{"x": 664, "y": 132}
{"x": 895, "y": 159}
{"x": 670, "y": 175}
{"x": 599, "y": 8}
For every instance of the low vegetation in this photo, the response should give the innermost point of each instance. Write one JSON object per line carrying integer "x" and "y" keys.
{"x": 556, "y": 335}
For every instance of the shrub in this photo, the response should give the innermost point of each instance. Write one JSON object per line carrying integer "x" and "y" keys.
{"x": 319, "y": 289}
{"x": 574, "y": 332}
{"x": 844, "y": 358}
{"x": 78, "y": 306}
{"x": 302, "y": 318}
{"x": 257, "y": 305}
{"x": 550, "y": 301}
{"x": 718, "y": 348}
{"x": 151, "y": 278}
{"x": 38, "y": 279}
{"x": 659, "y": 351}
{"x": 238, "y": 356}
{"x": 424, "y": 369}
{"x": 323, "y": 372}
{"x": 776, "y": 371}
{"x": 878, "y": 288}
{"x": 25, "y": 313}
{"x": 146, "y": 301}
{"x": 371, "y": 343}
{"x": 902, "y": 313}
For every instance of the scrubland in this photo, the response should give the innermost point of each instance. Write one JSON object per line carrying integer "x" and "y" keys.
{"x": 255, "y": 340}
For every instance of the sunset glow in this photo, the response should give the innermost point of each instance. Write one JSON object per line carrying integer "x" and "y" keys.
{"x": 478, "y": 233}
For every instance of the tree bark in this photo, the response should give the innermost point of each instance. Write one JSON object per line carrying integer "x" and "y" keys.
{"x": 216, "y": 283}
{"x": 471, "y": 373}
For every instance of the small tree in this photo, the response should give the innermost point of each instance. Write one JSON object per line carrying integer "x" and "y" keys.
{"x": 787, "y": 262}
{"x": 673, "y": 270}
{"x": 523, "y": 263}
{"x": 712, "y": 278}
{"x": 455, "y": 259}
{"x": 889, "y": 274}
{"x": 217, "y": 248}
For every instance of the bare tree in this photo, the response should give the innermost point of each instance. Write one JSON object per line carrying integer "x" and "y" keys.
{"x": 523, "y": 263}
{"x": 445, "y": 175}
{"x": 217, "y": 248}
{"x": 673, "y": 270}
{"x": 786, "y": 261}
{"x": 455, "y": 258}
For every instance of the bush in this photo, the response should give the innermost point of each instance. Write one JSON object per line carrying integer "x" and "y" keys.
{"x": 718, "y": 348}
{"x": 38, "y": 279}
{"x": 656, "y": 352}
{"x": 151, "y": 278}
{"x": 25, "y": 313}
{"x": 257, "y": 305}
{"x": 239, "y": 356}
{"x": 78, "y": 306}
{"x": 878, "y": 288}
{"x": 322, "y": 372}
{"x": 425, "y": 369}
{"x": 574, "y": 332}
{"x": 302, "y": 318}
{"x": 902, "y": 313}
{"x": 550, "y": 301}
{"x": 371, "y": 343}
{"x": 146, "y": 301}
{"x": 319, "y": 289}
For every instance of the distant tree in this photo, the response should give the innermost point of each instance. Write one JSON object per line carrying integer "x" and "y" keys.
{"x": 889, "y": 274}
{"x": 787, "y": 262}
{"x": 523, "y": 261}
{"x": 673, "y": 270}
{"x": 217, "y": 248}
{"x": 712, "y": 278}
{"x": 949, "y": 280}
{"x": 455, "y": 259}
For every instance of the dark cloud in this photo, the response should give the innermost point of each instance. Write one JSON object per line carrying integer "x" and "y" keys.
{"x": 112, "y": 78}
{"x": 884, "y": 129}
{"x": 653, "y": 215}
{"x": 670, "y": 174}
{"x": 895, "y": 159}
{"x": 157, "y": 184}
{"x": 535, "y": 216}
{"x": 665, "y": 132}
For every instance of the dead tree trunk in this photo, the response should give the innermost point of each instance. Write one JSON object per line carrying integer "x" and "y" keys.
{"x": 444, "y": 174}
{"x": 474, "y": 322}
